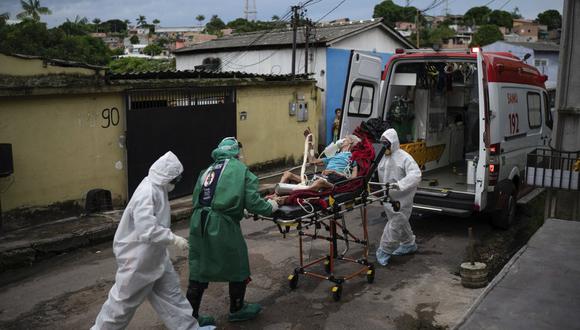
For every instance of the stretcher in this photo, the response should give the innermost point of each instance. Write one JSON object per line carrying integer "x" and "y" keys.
{"x": 326, "y": 214}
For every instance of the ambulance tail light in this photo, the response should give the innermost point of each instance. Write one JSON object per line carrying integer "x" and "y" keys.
{"x": 400, "y": 51}
{"x": 493, "y": 166}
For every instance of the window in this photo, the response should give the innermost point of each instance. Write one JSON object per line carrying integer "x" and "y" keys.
{"x": 548, "y": 112}
{"x": 541, "y": 62}
{"x": 534, "y": 110}
{"x": 361, "y": 100}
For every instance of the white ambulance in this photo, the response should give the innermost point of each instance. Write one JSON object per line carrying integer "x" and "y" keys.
{"x": 469, "y": 118}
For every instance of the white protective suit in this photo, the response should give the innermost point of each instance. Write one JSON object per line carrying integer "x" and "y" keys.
{"x": 400, "y": 168}
{"x": 140, "y": 246}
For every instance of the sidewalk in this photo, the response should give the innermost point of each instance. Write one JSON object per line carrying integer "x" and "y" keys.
{"x": 25, "y": 246}
{"x": 538, "y": 288}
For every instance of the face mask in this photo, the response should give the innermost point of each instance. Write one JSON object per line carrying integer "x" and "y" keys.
{"x": 170, "y": 187}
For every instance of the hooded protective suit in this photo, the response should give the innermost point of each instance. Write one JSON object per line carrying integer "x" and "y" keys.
{"x": 140, "y": 246}
{"x": 400, "y": 168}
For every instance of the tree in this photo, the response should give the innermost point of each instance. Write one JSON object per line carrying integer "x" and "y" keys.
{"x": 516, "y": 13}
{"x": 152, "y": 50}
{"x": 392, "y": 13}
{"x": 97, "y": 23}
{"x": 200, "y": 19}
{"x": 477, "y": 16}
{"x": 551, "y": 18}
{"x": 441, "y": 34}
{"x": 32, "y": 9}
{"x": 78, "y": 27}
{"x": 141, "y": 21}
{"x": 275, "y": 18}
{"x": 114, "y": 25}
{"x": 501, "y": 18}
{"x": 156, "y": 21}
{"x": 485, "y": 35}
{"x": 4, "y": 17}
{"x": 215, "y": 25}
{"x": 134, "y": 40}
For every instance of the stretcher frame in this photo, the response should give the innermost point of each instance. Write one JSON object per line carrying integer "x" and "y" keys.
{"x": 332, "y": 219}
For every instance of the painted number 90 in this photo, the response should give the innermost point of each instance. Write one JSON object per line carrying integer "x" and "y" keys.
{"x": 514, "y": 120}
{"x": 111, "y": 117}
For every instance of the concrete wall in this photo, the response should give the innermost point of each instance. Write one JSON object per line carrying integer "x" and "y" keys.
{"x": 269, "y": 133}
{"x": 61, "y": 149}
{"x": 15, "y": 66}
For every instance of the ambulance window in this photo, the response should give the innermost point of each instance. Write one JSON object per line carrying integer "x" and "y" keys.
{"x": 534, "y": 110}
{"x": 361, "y": 100}
{"x": 548, "y": 112}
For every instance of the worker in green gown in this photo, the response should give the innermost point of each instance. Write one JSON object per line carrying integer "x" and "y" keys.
{"x": 218, "y": 251}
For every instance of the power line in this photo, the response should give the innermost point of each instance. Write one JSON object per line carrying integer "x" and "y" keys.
{"x": 329, "y": 12}
{"x": 505, "y": 4}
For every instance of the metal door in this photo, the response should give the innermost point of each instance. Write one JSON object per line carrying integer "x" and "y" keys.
{"x": 190, "y": 122}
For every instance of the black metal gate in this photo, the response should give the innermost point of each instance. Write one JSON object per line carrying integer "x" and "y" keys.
{"x": 190, "y": 122}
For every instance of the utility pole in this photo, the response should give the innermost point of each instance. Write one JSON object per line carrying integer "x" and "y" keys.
{"x": 294, "y": 31}
{"x": 417, "y": 27}
{"x": 306, "y": 40}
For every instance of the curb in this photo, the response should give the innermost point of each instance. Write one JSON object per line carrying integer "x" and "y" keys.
{"x": 23, "y": 253}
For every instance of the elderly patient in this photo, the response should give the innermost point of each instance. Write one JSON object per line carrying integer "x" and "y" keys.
{"x": 338, "y": 167}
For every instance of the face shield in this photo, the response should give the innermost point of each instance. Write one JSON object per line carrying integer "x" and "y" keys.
{"x": 386, "y": 143}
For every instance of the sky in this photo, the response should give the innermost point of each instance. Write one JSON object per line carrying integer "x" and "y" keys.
{"x": 173, "y": 13}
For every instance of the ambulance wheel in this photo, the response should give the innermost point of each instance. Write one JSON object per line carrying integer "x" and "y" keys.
{"x": 293, "y": 281}
{"x": 336, "y": 292}
{"x": 371, "y": 274}
{"x": 506, "y": 215}
{"x": 327, "y": 266}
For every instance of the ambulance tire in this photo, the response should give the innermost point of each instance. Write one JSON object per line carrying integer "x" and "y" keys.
{"x": 506, "y": 215}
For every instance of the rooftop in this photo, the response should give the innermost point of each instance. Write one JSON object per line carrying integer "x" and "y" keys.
{"x": 537, "y": 46}
{"x": 323, "y": 34}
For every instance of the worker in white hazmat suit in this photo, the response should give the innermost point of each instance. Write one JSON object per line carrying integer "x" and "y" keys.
{"x": 401, "y": 172}
{"x": 140, "y": 246}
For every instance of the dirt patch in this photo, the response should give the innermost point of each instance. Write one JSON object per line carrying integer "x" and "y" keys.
{"x": 498, "y": 246}
{"x": 425, "y": 319}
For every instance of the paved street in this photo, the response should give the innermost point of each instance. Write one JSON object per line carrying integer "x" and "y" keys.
{"x": 419, "y": 291}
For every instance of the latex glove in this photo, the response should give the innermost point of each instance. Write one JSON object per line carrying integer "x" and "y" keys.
{"x": 274, "y": 205}
{"x": 180, "y": 242}
{"x": 394, "y": 186}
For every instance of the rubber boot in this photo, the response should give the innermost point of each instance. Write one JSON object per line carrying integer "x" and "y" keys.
{"x": 194, "y": 294}
{"x": 240, "y": 310}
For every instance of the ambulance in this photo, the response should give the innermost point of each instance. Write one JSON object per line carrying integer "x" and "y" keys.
{"x": 468, "y": 118}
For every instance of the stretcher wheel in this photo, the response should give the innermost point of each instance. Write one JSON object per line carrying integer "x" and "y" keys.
{"x": 293, "y": 281}
{"x": 327, "y": 266}
{"x": 371, "y": 274}
{"x": 396, "y": 206}
{"x": 336, "y": 292}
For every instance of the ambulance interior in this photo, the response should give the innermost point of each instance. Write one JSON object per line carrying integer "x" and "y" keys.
{"x": 434, "y": 107}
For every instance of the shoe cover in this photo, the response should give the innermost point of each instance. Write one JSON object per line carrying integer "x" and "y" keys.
{"x": 405, "y": 249}
{"x": 382, "y": 257}
{"x": 204, "y": 320}
{"x": 248, "y": 312}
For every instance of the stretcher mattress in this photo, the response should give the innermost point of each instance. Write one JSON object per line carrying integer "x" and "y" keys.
{"x": 290, "y": 212}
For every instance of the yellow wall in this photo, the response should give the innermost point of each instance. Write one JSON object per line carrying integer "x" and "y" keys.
{"x": 60, "y": 148}
{"x": 269, "y": 133}
{"x": 15, "y": 66}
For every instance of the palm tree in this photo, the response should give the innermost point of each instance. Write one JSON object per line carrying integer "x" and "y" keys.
{"x": 200, "y": 18}
{"x": 141, "y": 21}
{"x": 32, "y": 9}
{"x": 275, "y": 18}
{"x": 97, "y": 22}
{"x": 156, "y": 21}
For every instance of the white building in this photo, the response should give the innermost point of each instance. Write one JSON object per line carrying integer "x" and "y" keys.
{"x": 270, "y": 52}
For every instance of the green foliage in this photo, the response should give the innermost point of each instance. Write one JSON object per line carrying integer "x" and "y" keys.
{"x": 215, "y": 25}
{"x": 200, "y": 18}
{"x": 32, "y": 9}
{"x": 551, "y": 18}
{"x": 485, "y": 35}
{"x": 241, "y": 25}
{"x": 516, "y": 13}
{"x": 152, "y": 50}
{"x": 440, "y": 34}
{"x": 141, "y": 21}
{"x": 392, "y": 13}
{"x": 114, "y": 26}
{"x": 133, "y": 64}
{"x": 52, "y": 43}
{"x": 501, "y": 18}
{"x": 476, "y": 16}
{"x": 134, "y": 40}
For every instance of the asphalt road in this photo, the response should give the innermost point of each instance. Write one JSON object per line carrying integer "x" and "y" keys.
{"x": 418, "y": 291}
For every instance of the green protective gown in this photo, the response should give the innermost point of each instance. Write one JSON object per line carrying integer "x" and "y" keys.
{"x": 219, "y": 252}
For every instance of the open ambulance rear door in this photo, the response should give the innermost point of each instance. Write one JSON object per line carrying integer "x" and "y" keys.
{"x": 362, "y": 92}
{"x": 482, "y": 170}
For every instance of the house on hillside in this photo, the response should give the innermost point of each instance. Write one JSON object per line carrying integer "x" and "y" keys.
{"x": 270, "y": 52}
